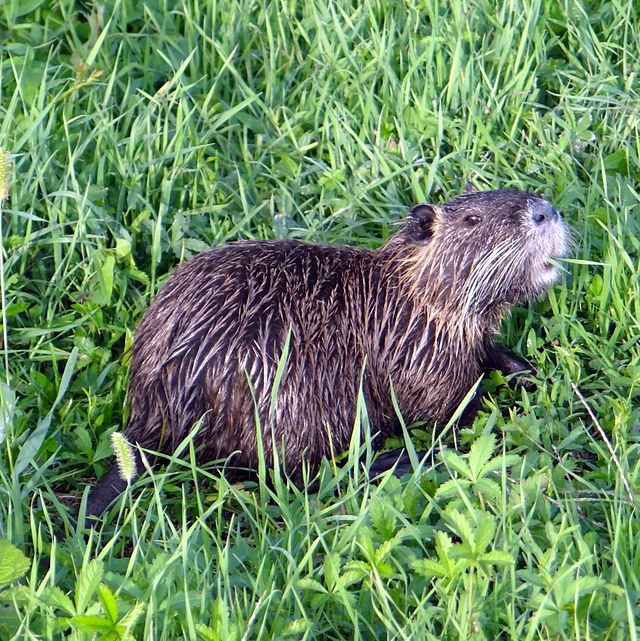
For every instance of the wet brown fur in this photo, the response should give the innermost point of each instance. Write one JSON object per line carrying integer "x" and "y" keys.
{"x": 421, "y": 314}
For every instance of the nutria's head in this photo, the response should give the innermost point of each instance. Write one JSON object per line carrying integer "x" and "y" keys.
{"x": 483, "y": 251}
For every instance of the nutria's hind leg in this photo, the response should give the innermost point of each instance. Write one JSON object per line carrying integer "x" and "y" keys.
{"x": 504, "y": 360}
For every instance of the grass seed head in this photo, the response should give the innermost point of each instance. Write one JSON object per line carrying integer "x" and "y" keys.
{"x": 6, "y": 166}
{"x": 124, "y": 456}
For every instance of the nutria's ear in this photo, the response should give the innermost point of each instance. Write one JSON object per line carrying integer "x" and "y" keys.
{"x": 420, "y": 226}
{"x": 470, "y": 188}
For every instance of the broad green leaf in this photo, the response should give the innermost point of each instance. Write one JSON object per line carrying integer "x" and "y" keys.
{"x": 386, "y": 548}
{"x": 207, "y": 633}
{"x": 480, "y": 454}
{"x": 488, "y": 488}
{"x": 108, "y": 601}
{"x": 452, "y": 487}
{"x": 23, "y": 7}
{"x": 123, "y": 248}
{"x": 443, "y": 545}
{"x": 497, "y": 557}
{"x": 430, "y": 568}
{"x": 354, "y": 573}
{"x": 13, "y": 563}
{"x": 617, "y": 163}
{"x": 585, "y": 585}
{"x": 461, "y": 526}
{"x": 331, "y": 568}
{"x": 454, "y": 461}
{"x": 56, "y": 598}
{"x": 88, "y": 580}
{"x": 484, "y": 532}
{"x": 500, "y": 462}
{"x": 91, "y": 623}
{"x": 383, "y": 518}
{"x": 296, "y": 628}
{"x": 311, "y": 584}
{"x": 105, "y": 277}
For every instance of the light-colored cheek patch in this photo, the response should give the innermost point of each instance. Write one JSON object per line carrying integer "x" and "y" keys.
{"x": 554, "y": 241}
{"x": 562, "y": 242}
{"x": 548, "y": 274}
{"x": 555, "y": 244}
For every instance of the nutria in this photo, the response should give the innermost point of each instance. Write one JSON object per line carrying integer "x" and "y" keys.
{"x": 419, "y": 315}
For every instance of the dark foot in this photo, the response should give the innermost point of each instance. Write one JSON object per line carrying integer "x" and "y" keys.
{"x": 510, "y": 364}
{"x": 398, "y": 460}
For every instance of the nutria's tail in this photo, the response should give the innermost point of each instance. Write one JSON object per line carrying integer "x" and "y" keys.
{"x": 107, "y": 490}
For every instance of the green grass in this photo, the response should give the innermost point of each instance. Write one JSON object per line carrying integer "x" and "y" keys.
{"x": 144, "y": 132}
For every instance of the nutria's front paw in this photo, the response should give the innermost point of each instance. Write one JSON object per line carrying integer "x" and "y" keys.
{"x": 510, "y": 364}
{"x": 398, "y": 460}
{"x": 524, "y": 380}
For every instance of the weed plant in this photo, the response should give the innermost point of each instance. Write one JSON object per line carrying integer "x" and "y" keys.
{"x": 144, "y": 132}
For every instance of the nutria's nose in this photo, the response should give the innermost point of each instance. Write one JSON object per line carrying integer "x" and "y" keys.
{"x": 542, "y": 211}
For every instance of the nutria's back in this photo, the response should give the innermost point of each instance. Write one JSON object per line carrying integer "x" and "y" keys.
{"x": 420, "y": 314}
{"x": 212, "y": 339}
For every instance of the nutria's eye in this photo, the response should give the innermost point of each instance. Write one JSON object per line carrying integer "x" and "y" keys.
{"x": 472, "y": 219}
